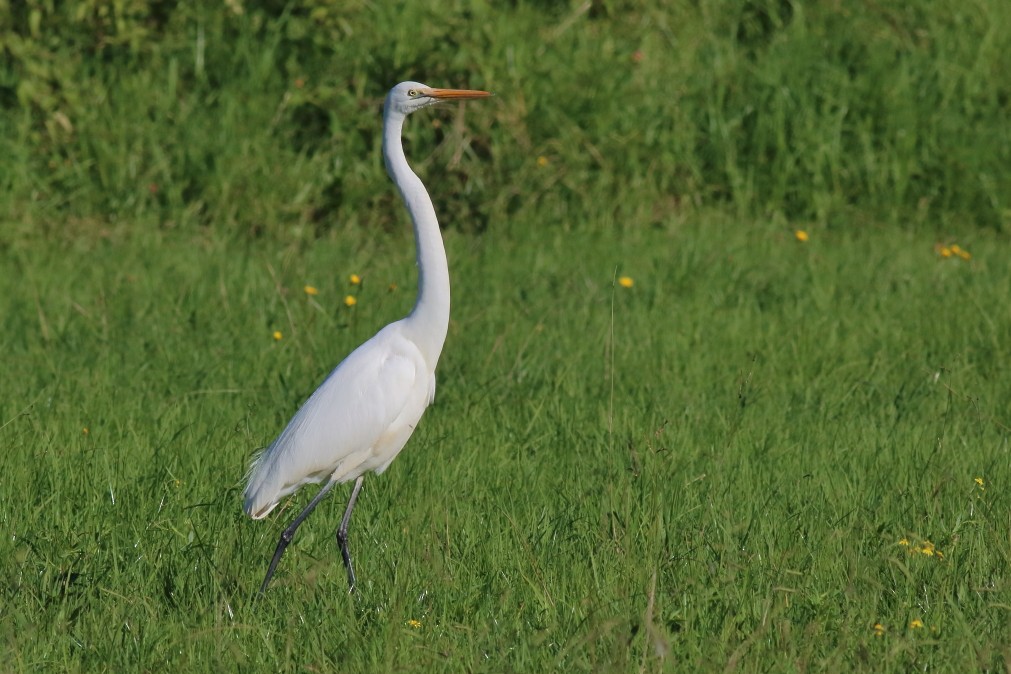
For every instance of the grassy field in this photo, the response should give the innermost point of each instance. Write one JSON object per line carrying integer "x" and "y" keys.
{"x": 773, "y": 452}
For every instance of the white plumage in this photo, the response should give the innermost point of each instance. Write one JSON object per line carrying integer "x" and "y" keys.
{"x": 364, "y": 412}
{"x": 371, "y": 402}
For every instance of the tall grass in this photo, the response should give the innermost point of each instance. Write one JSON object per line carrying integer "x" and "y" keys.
{"x": 813, "y": 112}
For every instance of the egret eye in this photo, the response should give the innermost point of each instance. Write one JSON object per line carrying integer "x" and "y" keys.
{"x": 413, "y": 93}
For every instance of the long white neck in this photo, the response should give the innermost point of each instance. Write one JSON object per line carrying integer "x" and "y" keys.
{"x": 429, "y": 320}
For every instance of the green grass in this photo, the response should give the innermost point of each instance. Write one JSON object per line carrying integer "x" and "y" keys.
{"x": 716, "y": 469}
{"x": 715, "y": 466}
{"x": 877, "y": 112}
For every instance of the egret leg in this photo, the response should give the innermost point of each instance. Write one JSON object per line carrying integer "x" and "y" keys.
{"x": 289, "y": 533}
{"x": 342, "y": 532}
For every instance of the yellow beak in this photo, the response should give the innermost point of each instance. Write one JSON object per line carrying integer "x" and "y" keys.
{"x": 456, "y": 94}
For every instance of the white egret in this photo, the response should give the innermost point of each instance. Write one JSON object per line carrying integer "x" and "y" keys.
{"x": 363, "y": 413}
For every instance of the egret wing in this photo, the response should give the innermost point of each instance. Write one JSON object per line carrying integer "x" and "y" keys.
{"x": 367, "y": 399}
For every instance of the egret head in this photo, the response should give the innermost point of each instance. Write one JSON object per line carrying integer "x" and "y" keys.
{"x": 407, "y": 97}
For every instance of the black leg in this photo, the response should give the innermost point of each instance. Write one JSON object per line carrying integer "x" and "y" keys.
{"x": 289, "y": 533}
{"x": 342, "y": 532}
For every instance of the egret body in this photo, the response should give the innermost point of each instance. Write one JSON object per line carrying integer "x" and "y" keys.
{"x": 363, "y": 413}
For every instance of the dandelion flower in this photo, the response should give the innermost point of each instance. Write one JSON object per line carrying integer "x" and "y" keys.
{"x": 350, "y": 301}
{"x": 626, "y": 282}
{"x": 414, "y": 623}
{"x": 542, "y": 161}
{"x": 916, "y": 624}
{"x": 954, "y": 249}
{"x": 309, "y": 290}
{"x": 904, "y": 542}
{"x": 801, "y": 235}
{"x": 879, "y": 630}
{"x": 355, "y": 279}
{"x": 277, "y": 335}
{"x": 979, "y": 483}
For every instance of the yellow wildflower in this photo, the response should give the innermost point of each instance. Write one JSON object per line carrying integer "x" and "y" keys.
{"x": 414, "y": 623}
{"x": 979, "y": 483}
{"x": 350, "y": 301}
{"x": 85, "y": 430}
{"x": 626, "y": 281}
{"x": 277, "y": 335}
{"x": 879, "y": 630}
{"x": 355, "y": 279}
{"x": 922, "y": 547}
{"x": 801, "y": 235}
{"x": 955, "y": 249}
{"x": 916, "y": 624}
{"x": 309, "y": 290}
{"x": 542, "y": 161}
